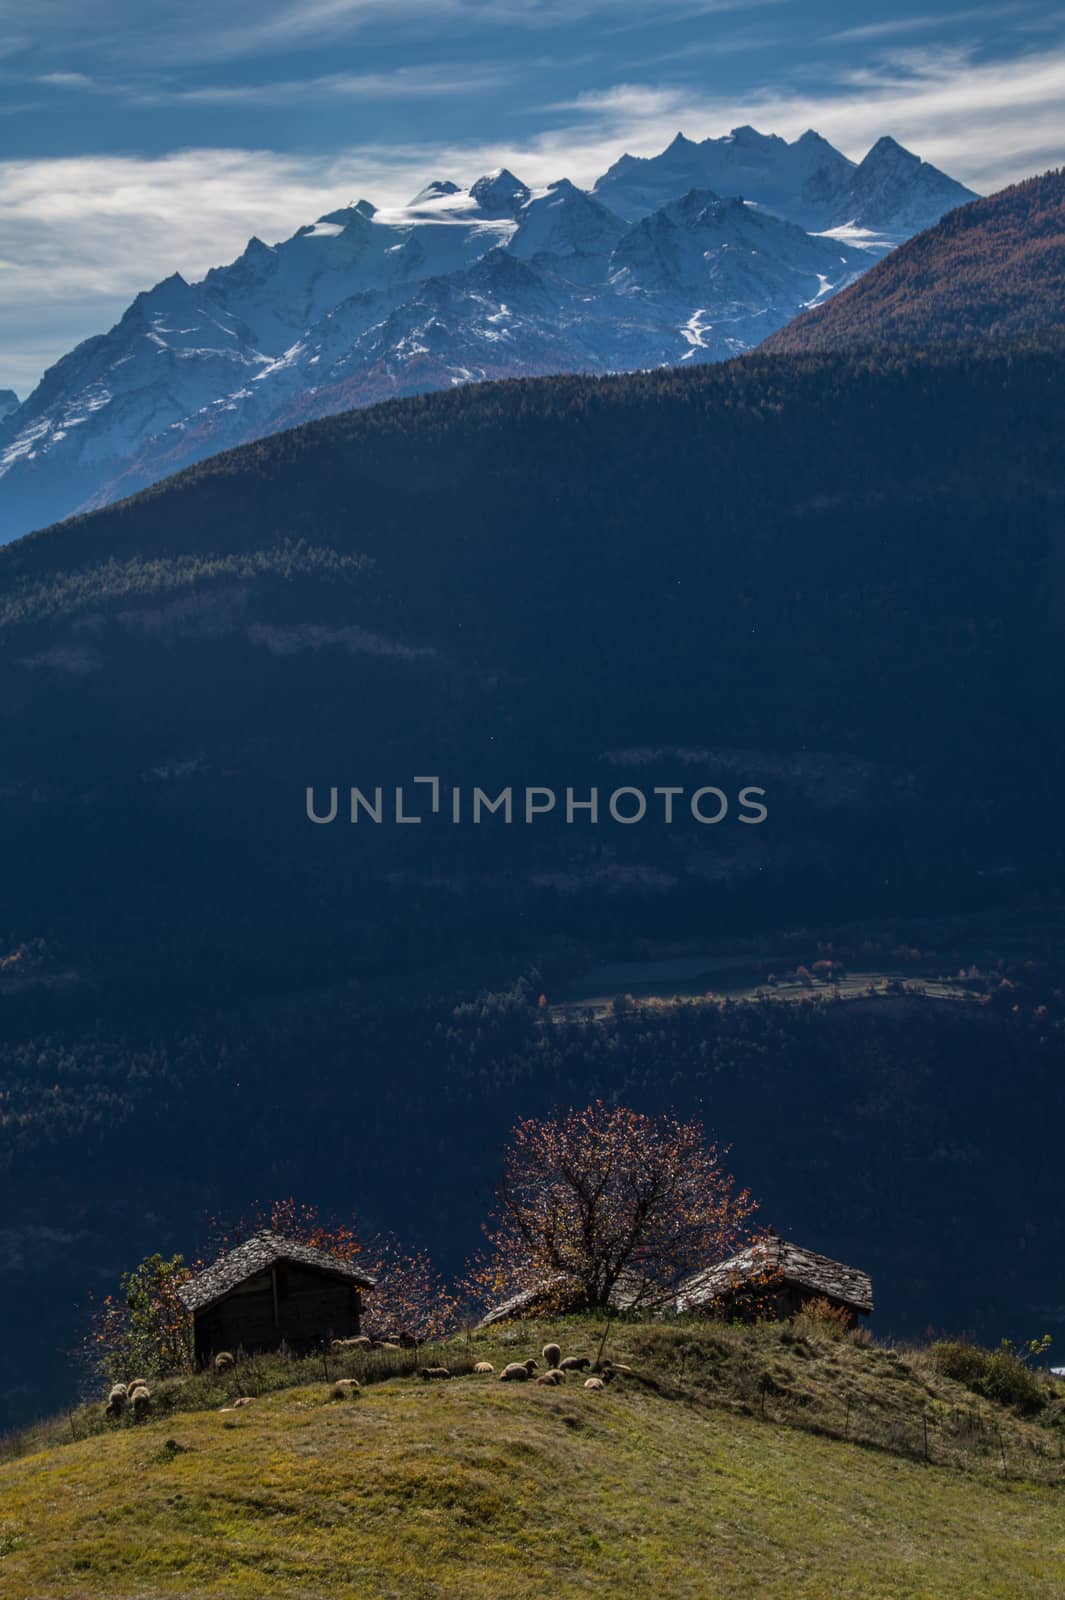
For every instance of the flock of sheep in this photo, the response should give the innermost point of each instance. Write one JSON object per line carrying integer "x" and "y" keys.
{"x": 361, "y": 1342}
{"x": 135, "y": 1396}
{"x": 558, "y": 1368}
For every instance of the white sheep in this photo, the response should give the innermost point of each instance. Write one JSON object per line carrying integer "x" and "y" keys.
{"x": 140, "y": 1398}
{"x": 116, "y": 1401}
{"x": 518, "y": 1371}
{"x": 594, "y": 1383}
{"x": 484, "y": 1368}
{"x": 552, "y": 1354}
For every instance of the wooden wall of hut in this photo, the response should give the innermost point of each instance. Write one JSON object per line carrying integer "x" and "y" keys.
{"x": 286, "y": 1304}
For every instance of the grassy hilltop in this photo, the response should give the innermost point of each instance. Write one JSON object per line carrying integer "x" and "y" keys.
{"x": 726, "y": 1465}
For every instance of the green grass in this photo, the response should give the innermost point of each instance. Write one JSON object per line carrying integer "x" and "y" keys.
{"x": 672, "y": 1482}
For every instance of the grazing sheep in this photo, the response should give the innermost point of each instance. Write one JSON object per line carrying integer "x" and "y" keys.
{"x": 575, "y": 1364}
{"x": 245, "y": 1400}
{"x": 518, "y": 1371}
{"x": 346, "y": 1389}
{"x": 617, "y": 1369}
{"x": 484, "y": 1368}
{"x": 435, "y": 1372}
{"x": 223, "y": 1361}
{"x": 136, "y": 1383}
{"x": 116, "y": 1401}
{"x": 140, "y": 1399}
{"x": 360, "y": 1342}
{"x": 551, "y": 1379}
{"x": 594, "y": 1383}
{"x": 552, "y": 1354}
{"x": 386, "y": 1344}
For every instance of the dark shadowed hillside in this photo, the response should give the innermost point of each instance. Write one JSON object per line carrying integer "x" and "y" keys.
{"x": 995, "y": 267}
{"x": 839, "y": 581}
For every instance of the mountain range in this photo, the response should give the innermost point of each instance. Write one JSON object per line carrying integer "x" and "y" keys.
{"x": 691, "y": 256}
{"x": 992, "y": 269}
{"x": 890, "y": 194}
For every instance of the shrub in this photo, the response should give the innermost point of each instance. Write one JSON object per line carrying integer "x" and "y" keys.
{"x": 1009, "y": 1381}
{"x": 962, "y": 1362}
{"x": 820, "y": 1316}
{"x": 998, "y": 1375}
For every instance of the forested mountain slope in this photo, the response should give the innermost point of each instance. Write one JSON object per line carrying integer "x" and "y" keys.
{"x": 994, "y": 268}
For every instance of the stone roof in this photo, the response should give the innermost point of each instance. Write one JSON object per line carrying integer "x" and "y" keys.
{"x": 552, "y": 1295}
{"x": 525, "y": 1303}
{"x": 782, "y": 1261}
{"x": 261, "y": 1251}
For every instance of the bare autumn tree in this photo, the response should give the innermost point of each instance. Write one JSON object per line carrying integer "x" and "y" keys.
{"x": 607, "y": 1206}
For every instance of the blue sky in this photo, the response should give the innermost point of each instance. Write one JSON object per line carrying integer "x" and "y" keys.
{"x": 140, "y": 136}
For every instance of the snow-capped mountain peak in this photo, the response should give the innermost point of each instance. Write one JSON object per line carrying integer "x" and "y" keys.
{"x": 565, "y": 220}
{"x": 895, "y": 192}
{"x": 436, "y": 190}
{"x": 499, "y": 193}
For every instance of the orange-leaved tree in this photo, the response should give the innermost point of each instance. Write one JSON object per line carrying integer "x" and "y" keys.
{"x": 608, "y": 1207}
{"x": 144, "y": 1328}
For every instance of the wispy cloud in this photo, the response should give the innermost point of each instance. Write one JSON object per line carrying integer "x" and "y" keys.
{"x": 68, "y": 80}
{"x": 405, "y": 83}
{"x": 940, "y": 21}
{"x": 740, "y": 41}
{"x": 293, "y": 23}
